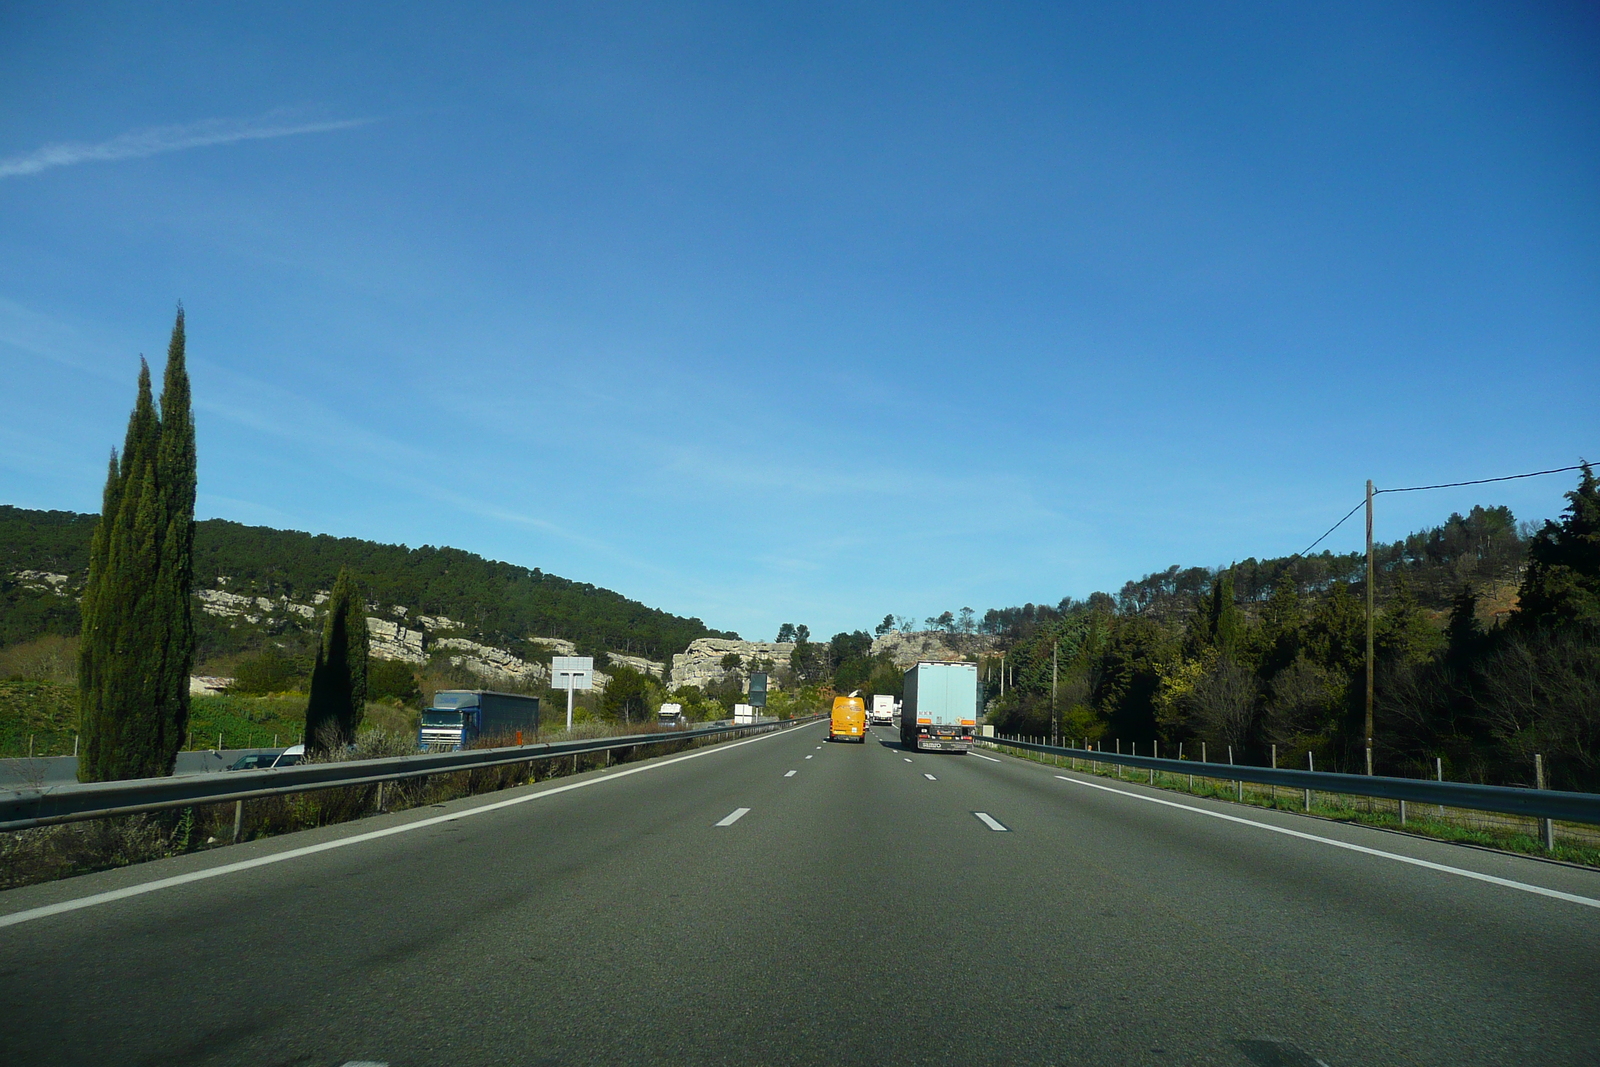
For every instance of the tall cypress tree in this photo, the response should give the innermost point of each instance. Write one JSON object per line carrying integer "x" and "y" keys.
{"x": 138, "y": 633}
{"x": 338, "y": 698}
{"x": 173, "y": 614}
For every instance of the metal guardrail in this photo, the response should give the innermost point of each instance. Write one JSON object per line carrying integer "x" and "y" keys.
{"x": 75, "y": 802}
{"x": 1510, "y": 800}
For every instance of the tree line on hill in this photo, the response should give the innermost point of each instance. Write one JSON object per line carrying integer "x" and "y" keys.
{"x": 1273, "y": 653}
{"x": 504, "y": 602}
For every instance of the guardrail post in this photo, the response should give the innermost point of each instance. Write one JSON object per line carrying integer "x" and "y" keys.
{"x": 1155, "y": 750}
{"x": 1180, "y": 757}
{"x": 1438, "y": 773}
{"x": 378, "y": 803}
{"x": 1547, "y": 827}
{"x": 238, "y": 820}
{"x": 1311, "y": 765}
{"x": 1238, "y": 783}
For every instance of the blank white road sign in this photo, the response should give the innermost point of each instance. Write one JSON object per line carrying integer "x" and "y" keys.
{"x": 572, "y": 672}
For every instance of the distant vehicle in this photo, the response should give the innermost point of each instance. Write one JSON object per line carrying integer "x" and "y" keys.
{"x": 849, "y": 719}
{"x": 883, "y": 709}
{"x": 744, "y": 715}
{"x": 671, "y": 716}
{"x": 260, "y": 761}
{"x": 940, "y": 709}
{"x": 462, "y": 717}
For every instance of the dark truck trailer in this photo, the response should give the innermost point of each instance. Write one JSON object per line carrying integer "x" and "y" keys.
{"x": 459, "y": 718}
{"x": 939, "y": 711}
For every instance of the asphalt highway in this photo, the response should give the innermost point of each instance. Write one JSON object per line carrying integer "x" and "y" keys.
{"x": 784, "y": 901}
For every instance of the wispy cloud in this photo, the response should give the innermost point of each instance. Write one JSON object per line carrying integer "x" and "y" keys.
{"x": 136, "y": 144}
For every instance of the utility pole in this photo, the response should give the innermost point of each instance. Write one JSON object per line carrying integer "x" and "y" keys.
{"x": 1053, "y": 650}
{"x": 1371, "y": 575}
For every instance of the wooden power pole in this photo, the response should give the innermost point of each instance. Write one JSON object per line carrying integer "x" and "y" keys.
{"x": 1371, "y": 574}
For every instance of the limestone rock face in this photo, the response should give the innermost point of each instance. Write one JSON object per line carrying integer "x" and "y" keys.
{"x": 390, "y": 640}
{"x": 490, "y": 662}
{"x": 701, "y": 663}
{"x": 904, "y": 649}
{"x": 638, "y": 663}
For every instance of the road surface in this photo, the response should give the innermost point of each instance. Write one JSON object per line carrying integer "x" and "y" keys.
{"x": 784, "y": 901}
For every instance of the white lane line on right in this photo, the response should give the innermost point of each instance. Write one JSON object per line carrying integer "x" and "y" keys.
{"x": 738, "y": 813}
{"x": 789, "y": 774}
{"x": 991, "y": 822}
{"x": 980, "y": 755}
{"x": 929, "y": 777}
{"x": 1539, "y": 890}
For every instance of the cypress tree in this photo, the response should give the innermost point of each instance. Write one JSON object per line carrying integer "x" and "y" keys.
{"x": 1226, "y": 623}
{"x": 137, "y": 641}
{"x": 338, "y": 698}
{"x": 173, "y": 614}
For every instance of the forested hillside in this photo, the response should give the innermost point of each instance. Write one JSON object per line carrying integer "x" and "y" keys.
{"x": 1487, "y": 651}
{"x": 501, "y": 601}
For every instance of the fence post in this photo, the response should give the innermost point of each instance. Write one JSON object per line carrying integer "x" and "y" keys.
{"x": 1547, "y": 827}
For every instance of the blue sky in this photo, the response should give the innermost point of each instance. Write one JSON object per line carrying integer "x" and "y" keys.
{"x": 771, "y": 313}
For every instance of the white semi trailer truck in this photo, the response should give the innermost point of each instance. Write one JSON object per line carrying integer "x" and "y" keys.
{"x": 939, "y": 712}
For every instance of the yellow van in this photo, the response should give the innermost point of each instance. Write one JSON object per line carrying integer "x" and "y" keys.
{"x": 849, "y": 722}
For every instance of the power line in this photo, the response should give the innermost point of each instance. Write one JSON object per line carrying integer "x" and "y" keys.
{"x": 1444, "y": 485}
{"x": 1479, "y": 481}
{"x": 1332, "y": 528}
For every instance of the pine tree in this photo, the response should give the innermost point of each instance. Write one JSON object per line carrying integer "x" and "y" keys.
{"x": 137, "y": 641}
{"x": 338, "y": 698}
{"x": 1562, "y": 583}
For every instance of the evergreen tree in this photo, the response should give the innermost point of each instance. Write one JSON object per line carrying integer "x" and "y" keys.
{"x": 1562, "y": 583}
{"x": 138, "y": 632}
{"x": 338, "y": 697}
{"x": 1227, "y": 624}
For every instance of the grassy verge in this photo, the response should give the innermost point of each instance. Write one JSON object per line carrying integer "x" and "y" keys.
{"x": 1341, "y": 808}
{"x": 47, "y": 853}
{"x": 44, "y": 715}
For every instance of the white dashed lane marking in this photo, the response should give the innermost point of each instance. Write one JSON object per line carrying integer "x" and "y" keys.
{"x": 929, "y": 777}
{"x": 788, "y": 774}
{"x": 991, "y": 822}
{"x": 738, "y": 813}
{"x": 906, "y": 758}
{"x": 808, "y": 757}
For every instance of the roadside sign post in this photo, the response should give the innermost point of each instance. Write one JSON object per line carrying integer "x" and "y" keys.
{"x": 758, "y": 690}
{"x": 570, "y": 673}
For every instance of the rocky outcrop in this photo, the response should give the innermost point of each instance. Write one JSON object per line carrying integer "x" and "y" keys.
{"x": 390, "y": 640}
{"x": 904, "y": 649}
{"x": 701, "y": 663}
{"x": 638, "y": 663}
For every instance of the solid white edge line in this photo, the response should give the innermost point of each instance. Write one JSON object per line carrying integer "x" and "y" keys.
{"x": 991, "y": 822}
{"x": 142, "y": 888}
{"x": 991, "y": 759}
{"x": 1462, "y": 872}
{"x": 733, "y": 817}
